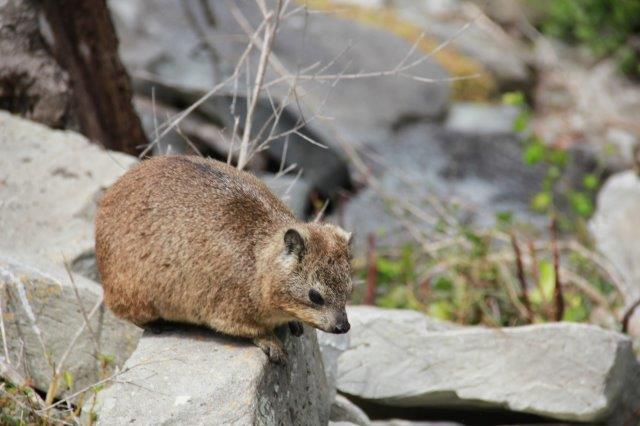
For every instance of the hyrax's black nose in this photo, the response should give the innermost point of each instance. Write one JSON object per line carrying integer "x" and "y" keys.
{"x": 342, "y": 328}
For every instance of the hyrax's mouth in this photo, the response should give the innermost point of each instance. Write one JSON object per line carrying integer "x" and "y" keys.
{"x": 340, "y": 328}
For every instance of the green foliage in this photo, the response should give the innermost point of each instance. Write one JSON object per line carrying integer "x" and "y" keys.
{"x": 607, "y": 27}
{"x": 475, "y": 281}
{"x": 503, "y": 275}
{"x": 555, "y": 190}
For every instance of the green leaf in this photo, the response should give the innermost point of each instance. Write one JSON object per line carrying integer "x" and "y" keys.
{"x": 533, "y": 154}
{"x": 504, "y": 217}
{"x": 390, "y": 270}
{"x": 513, "y": 98}
{"x": 399, "y": 297}
{"x": 547, "y": 281}
{"x": 558, "y": 157}
{"x": 581, "y": 204}
{"x": 590, "y": 181}
{"x": 541, "y": 201}
{"x": 521, "y": 122}
{"x": 441, "y": 309}
{"x": 443, "y": 284}
{"x": 575, "y": 309}
{"x": 68, "y": 379}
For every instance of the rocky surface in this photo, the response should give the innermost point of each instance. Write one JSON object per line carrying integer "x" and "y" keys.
{"x": 481, "y": 174}
{"x": 479, "y": 118}
{"x": 481, "y": 39}
{"x": 43, "y": 311}
{"x": 343, "y": 410}
{"x": 49, "y": 184}
{"x": 194, "y": 376}
{"x": 159, "y": 40}
{"x": 294, "y": 192}
{"x": 563, "y": 371}
{"x": 331, "y": 347}
{"x": 616, "y": 229}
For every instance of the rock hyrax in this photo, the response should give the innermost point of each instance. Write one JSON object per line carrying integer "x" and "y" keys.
{"x": 194, "y": 240}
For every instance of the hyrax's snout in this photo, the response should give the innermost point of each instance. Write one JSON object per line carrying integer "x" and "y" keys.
{"x": 341, "y": 325}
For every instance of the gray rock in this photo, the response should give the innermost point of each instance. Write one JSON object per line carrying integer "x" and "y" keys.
{"x": 158, "y": 40}
{"x": 399, "y": 422}
{"x": 432, "y": 167}
{"x": 331, "y": 347}
{"x": 193, "y": 376}
{"x": 563, "y": 371}
{"x": 50, "y": 181}
{"x": 616, "y": 229}
{"x": 49, "y": 184}
{"x": 294, "y": 192}
{"x": 481, "y": 118}
{"x": 503, "y": 56}
{"x": 343, "y": 410}
{"x": 42, "y": 314}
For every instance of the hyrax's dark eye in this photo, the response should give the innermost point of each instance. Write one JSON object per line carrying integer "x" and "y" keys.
{"x": 315, "y": 297}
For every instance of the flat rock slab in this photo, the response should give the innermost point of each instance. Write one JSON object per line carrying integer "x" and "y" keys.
{"x": 42, "y": 314}
{"x": 563, "y": 371}
{"x": 194, "y": 376}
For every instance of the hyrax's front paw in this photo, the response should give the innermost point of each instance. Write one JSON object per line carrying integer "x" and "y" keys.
{"x": 296, "y": 328}
{"x": 271, "y": 346}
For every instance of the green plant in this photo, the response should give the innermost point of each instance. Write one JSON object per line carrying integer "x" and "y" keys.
{"x": 506, "y": 274}
{"x": 608, "y": 28}
{"x": 572, "y": 203}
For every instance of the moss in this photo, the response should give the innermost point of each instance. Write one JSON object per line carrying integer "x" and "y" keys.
{"x": 457, "y": 65}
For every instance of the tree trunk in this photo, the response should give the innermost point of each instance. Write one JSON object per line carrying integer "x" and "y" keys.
{"x": 32, "y": 83}
{"x": 87, "y": 47}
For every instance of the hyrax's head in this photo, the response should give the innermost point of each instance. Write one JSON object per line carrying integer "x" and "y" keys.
{"x": 314, "y": 263}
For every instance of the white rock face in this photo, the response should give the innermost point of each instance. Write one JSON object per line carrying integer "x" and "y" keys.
{"x": 343, "y": 410}
{"x": 331, "y": 347}
{"x": 40, "y": 301}
{"x": 193, "y": 376}
{"x": 563, "y": 371}
{"x": 481, "y": 118}
{"x": 50, "y": 181}
{"x": 616, "y": 228}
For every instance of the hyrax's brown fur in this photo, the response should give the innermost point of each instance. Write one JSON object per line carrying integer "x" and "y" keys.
{"x": 194, "y": 240}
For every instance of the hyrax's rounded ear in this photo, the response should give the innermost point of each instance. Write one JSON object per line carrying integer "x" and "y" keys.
{"x": 293, "y": 242}
{"x": 347, "y": 236}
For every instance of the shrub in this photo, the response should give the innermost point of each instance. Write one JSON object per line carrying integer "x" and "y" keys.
{"x": 607, "y": 27}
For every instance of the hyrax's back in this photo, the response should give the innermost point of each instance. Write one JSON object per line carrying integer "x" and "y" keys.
{"x": 176, "y": 237}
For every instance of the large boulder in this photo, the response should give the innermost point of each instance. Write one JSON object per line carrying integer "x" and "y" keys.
{"x": 502, "y": 55}
{"x": 433, "y": 167}
{"x": 43, "y": 310}
{"x": 616, "y": 229}
{"x": 563, "y": 371}
{"x": 49, "y": 193}
{"x": 49, "y": 186}
{"x": 162, "y": 42}
{"x": 193, "y": 376}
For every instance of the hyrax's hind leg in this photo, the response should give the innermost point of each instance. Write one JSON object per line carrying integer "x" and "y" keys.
{"x": 131, "y": 307}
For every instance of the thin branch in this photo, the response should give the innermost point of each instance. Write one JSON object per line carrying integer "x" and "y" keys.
{"x": 522, "y": 277}
{"x": 92, "y": 334}
{"x": 269, "y": 35}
